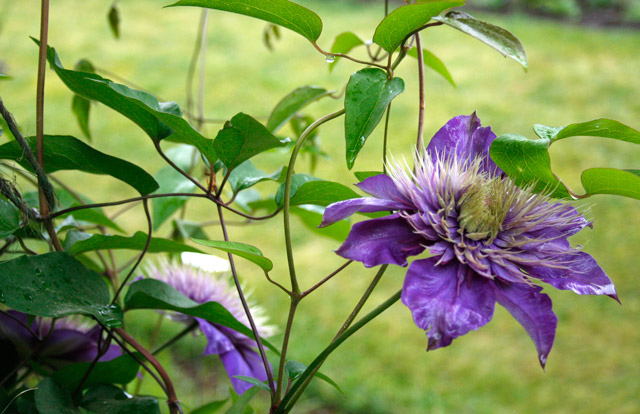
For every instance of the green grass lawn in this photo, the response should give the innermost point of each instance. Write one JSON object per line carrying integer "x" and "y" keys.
{"x": 575, "y": 74}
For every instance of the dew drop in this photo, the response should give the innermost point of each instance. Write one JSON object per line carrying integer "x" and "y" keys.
{"x": 330, "y": 59}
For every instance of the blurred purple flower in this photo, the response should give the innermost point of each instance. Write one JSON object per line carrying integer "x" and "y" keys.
{"x": 71, "y": 341}
{"x": 235, "y": 349}
{"x": 488, "y": 239}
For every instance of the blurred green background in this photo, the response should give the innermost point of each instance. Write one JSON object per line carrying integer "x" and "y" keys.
{"x": 575, "y": 74}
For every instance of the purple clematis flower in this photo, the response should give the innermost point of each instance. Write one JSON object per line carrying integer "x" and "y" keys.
{"x": 236, "y": 350}
{"x": 488, "y": 239}
{"x": 70, "y": 341}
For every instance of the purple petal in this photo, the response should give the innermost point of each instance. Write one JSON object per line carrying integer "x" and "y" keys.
{"x": 343, "y": 209}
{"x": 382, "y": 186}
{"x": 464, "y": 137}
{"x": 385, "y": 240}
{"x": 579, "y": 272}
{"x": 533, "y": 310}
{"x": 217, "y": 342}
{"x": 446, "y": 300}
{"x": 246, "y": 362}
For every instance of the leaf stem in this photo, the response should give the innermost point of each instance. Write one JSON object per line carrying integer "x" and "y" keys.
{"x": 342, "y": 55}
{"x": 320, "y": 283}
{"x": 247, "y": 311}
{"x": 176, "y": 338}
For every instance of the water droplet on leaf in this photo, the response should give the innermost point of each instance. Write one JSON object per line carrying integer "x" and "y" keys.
{"x": 330, "y": 59}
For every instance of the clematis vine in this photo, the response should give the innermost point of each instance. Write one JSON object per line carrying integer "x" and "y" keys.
{"x": 204, "y": 280}
{"x": 489, "y": 239}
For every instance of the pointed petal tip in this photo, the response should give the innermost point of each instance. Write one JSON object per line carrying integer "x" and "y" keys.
{"x": 615, "y": 297}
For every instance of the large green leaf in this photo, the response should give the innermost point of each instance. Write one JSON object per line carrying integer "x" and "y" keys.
{"x": 405, "y": 20}
{"x": 170, "y": 181}
{"x": 54, "y": 285}
{"x": 242, "y": 403}
{"x": 498, "y": 38}
{"x": 246, "y": 251}
{"x": 246, "y": 175}
{"x": 241, "y": 138}
{"x": 311, "y": 217}
{"x": 121, "y": 370}
{"x": 52, "y": 399}
{"x": 281, "y": 12}
{"x": 612, "y": 181}
{"x": 292, "y": 103}
{"x": 527, "y": 162}
{"x": 434, "y": 63}
{"x": 344, "y": 43}
{"x": 135, "y": 242}
{"x": 606, "y": 128}
{"x": 158, "y": 119}
{"x": 107, "y": 399}
{"x": 368, "y": 94}
{"x": 90, "y": 215}
{"x": 69, "y": 153}
{"x": 297, "y": 181}
{"x": 9, "y": 218}
{"x": 322, "y": 193}
{"x": 81, "y": 106}
{"x": 154, "y": 294}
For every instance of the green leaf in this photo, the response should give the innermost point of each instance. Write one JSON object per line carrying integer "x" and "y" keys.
{"x": 52, "y": 399}
{"x": 9, "y": 218}
{"x": 363, "y": 175}
{"x": 159, "y": 120}
{"x": 434, "y": 63}
{"x": 241, "y": 138}
{"x": 246, "y": 251}
{"x": 184, "y": 230}
{"x": 498, "y": 38}
{"x": 297, "y": 180}
{"x": 81, "y": 106}
{"x": 210, "y": 408}
{"x": 322, "y": 193}
{"x": 253, "y": 381}
{"x": 135, "y": 242}
{"x": 344, "y": 43}
{"x": 606, "y": 128}
{"x": 121, "y": 370}
{"x": 69, "y": 153}
{"x": 114, "y": 20}
{"x": 294, "y": 369}
{"x": 527, "y": 162}
{"x": 405, "y": 20}
{"x": 243, "y": 401}
{"x": 154, "y": 294}
{"x": 170, "y": 181}
{"x": 311, "y": 217}
{"x": 368, "y": 94}
{"x": 281, "y": 12}
{"x": 292, "y": 103}
{"x": 246, "y": 175}
{"x": 108, "y": 399}
{"x": 54, "y": 285}
{"x": 612, "y": 181}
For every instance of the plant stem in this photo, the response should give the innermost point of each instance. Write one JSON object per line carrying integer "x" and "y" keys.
{"x": 247, "y": 311}
{"x": 323, "y": 281}
{"x": 174, "y": 404}
{"x": 295, "y": 288}
{"x": 145, "y": 204}
{"x": 362, "y": 301}
{"x": 419, "y": 141}
{"x": 46, "y": 200}
{"x": 385, "y": 139}
{"x": 285, "y": 345}
{"x": 176, "y": 338}
{"x": 298, "y": 388}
